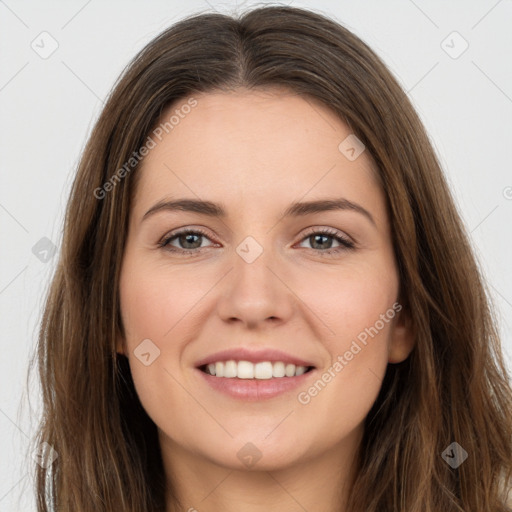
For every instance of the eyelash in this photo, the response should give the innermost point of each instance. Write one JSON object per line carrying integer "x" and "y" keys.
{"x": 345, "y": 243}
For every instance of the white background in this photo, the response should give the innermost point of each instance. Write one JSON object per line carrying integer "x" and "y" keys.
{"x": 48, "y": 107}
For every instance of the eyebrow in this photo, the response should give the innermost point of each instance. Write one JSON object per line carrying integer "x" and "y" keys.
{"x": 297, "y": 209}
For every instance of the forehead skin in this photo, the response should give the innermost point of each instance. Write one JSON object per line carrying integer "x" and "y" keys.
{"x": 246, "y": 148}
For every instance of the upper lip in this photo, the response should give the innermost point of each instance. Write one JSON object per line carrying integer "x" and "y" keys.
{"x": 254, "y": 356}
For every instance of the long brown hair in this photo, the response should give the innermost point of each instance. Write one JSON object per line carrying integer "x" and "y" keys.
{"x": 454, "y": 387}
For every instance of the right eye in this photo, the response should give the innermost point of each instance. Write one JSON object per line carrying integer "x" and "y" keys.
{"x": 188, "y": 239}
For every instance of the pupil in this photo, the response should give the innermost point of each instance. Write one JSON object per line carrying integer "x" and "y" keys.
{"x": 186, "y": 238}
{"x": 320, "y": 236}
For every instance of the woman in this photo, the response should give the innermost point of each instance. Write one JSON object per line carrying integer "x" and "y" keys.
{"x": 266, "y": 299}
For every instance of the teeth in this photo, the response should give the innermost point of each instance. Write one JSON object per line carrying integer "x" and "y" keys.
{"x": 289, "y": 370}
{"x": 300, "y": 370}
{"x": 247, "y": 370}
{"x": 263, "y": 370}
{"x": 230, "y": 369}
{"x": 278, "y": 369}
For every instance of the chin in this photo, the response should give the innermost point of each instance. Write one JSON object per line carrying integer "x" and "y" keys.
{"x": 242, "y": 454}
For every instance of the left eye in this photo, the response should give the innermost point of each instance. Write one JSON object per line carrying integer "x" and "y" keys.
{"x": 321, "y": 238}
{"x": 190, "y": 241}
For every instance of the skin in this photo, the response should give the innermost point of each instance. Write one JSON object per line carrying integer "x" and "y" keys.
{"x": 255, "y": 153}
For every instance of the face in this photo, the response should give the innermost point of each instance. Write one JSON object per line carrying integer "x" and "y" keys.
{"x": 259, "y": 280}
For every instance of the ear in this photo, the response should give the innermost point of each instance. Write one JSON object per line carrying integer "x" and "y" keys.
{"x": 402, "y": 337}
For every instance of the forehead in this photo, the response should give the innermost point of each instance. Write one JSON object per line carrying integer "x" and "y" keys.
{"x": 252, "y": 148}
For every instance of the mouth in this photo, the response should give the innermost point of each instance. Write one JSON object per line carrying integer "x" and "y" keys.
{"x": 253, "y": 382}
{"x": 251, "y": 374}
{"x": 263, "y": 370}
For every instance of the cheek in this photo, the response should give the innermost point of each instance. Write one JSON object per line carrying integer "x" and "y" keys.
{"x": 349, "y": 302}
{"x": 161, "y": 304}
{"x": 356, "y": 309}
{"x": 154, "y": 303}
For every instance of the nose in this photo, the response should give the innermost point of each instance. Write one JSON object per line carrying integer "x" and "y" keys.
{"x": 255, "y": 294}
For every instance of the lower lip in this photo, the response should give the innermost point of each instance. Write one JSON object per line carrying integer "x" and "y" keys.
{"x": 255, "y": 389}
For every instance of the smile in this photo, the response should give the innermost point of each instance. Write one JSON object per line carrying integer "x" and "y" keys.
{"x": 248, "y": 386}
{"x": 263, "y": 370}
